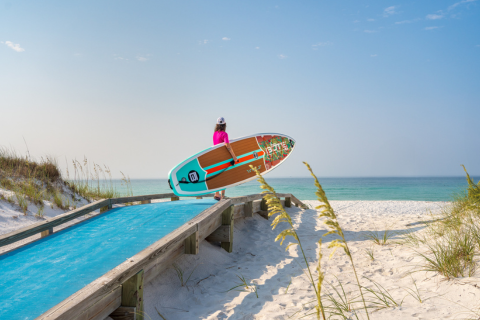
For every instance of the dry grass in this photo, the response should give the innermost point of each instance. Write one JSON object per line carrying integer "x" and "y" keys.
{"x": 36, "y": 182}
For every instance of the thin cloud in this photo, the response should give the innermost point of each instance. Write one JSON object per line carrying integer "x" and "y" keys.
{"x": 356, "y": 21}
{"x": 431, "y": 28}
{"x": 282, "y": 56}
{"x": 13, "y": 46}
{"x": 453, "y": 6}
{"x": 389, "y": 11}
{"x": 370, "y": 31}
{"x": 202, "y": 42}
{"x": 225, "y": 39}
{"x": 257, "y": 48}
{"x": 374, "y": 55}
{"x": 370, "y": 20}
{"x": 434, "y": 16}
{"x": 403, "y": 22}
{"x": 117, "y": 57}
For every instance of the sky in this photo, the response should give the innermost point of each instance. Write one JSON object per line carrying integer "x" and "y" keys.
{"x": 366, "y": 88}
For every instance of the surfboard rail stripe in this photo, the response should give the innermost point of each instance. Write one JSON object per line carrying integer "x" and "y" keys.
{"x": 228, "y": 160}
{"x": 241, "y": 159}
{"x": 230, "y": 167}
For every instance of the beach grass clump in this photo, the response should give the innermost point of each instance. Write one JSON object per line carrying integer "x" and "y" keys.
{"x": 93, "y": 181}
{"x": 452, "y": 240}
{"x": 380, "y": 238}
{"x": 34, "y": 182}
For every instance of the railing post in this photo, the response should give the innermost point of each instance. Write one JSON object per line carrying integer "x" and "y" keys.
{"x": 132, "y": 299}
{"x": 175, "y": 198}
{"x": 248, "y": 209}
{"x": 145, "y": 201}
{"x": 288, "y": 202}
{"x": 107, "y": 207}
{"x": 199, "y": 198}
{"x": 263, "y": 209}
{"x": 227, "y": 220}
{"x": 191, "y": 244}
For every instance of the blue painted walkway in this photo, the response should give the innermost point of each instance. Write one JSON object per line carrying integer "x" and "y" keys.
{"x": 40, "y": 275}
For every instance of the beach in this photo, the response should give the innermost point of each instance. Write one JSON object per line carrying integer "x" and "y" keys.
{"x": 282, "y": 287}
{"x": 276, "y": 285}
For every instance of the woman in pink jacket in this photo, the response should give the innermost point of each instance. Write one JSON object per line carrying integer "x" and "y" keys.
{"x": 220, "y": 136}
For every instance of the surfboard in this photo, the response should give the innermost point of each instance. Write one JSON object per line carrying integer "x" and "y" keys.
{"x": 213, "y": 169}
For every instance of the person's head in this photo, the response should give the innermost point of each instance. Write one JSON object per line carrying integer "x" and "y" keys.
{"x": 221, "y": 124}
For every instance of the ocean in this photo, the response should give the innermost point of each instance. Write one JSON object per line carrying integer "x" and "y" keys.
{"x": 415, "y": 189}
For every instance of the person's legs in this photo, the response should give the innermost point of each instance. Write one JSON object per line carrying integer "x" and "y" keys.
{"x": 217, "y": 196}
{"x": 223, "y": 194}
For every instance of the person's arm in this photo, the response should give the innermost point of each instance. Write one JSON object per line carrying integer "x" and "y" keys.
{"x": 229, "y": 148}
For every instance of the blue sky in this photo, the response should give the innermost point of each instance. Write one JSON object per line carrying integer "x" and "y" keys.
{"x": 367, "y": 88}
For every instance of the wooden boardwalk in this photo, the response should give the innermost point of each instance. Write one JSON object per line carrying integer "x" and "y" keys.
{"x": 119, "y": 292}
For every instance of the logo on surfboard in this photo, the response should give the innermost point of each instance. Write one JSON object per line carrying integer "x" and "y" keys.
{"x": 193, "y": 176}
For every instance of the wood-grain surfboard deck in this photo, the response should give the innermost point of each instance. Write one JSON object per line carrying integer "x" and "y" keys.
{"x": 212, "y": 169}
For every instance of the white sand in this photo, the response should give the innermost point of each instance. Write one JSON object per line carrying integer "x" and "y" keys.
{"x": 262, "y": 261}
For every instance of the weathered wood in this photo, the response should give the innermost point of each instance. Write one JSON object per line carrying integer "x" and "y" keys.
{"x": 163, "y": 262}
{"x": 288, "y": 202}
{"x": 49, "y": 223}
{"x": 71, "y": 306}
{"x": 298, "y": 203}
{"x": 132, "y": 294}
{"x": 175, "y": 198}
{"x": 46, "y": 233}
{"x": 210, "y": 219}
{"x": 248, "y": 209}
{"x": 145, "y": 201}
{"x": 147, "y": 197}
{"x": 105, "y": 208}
{"x": 124, "y": 313}
{"x": 222, "y": 234}
{"x": 199, "y": 198}
{"x": 103, "y": 307}
{"x": 191, "y": 244}
{"x": 227, "y": 220}
{"x": 264, "y": 205}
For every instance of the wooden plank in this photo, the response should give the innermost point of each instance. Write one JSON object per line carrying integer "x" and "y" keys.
{"x": 174, "y": 198}
{"x": 210, "y": 219}
{"x": 222, "y": 234}
{"x": 146, "y": 201}
{"x": 46, "y": 233}
{"x": 248, "y": 209}
{"x": 103, "y": 307}
{"x": 199, "y": 198}
{"x": 298, "y": 203}
{"x": 49, "y": 223}
{"x": 288, "y": 202}
{"x": 163, "y": 262}
{"x": 227, "y": 220}
{"x": 264, "y": 205}
{"x": 191, "y": 244}
{"x": 132, "y": 294}
{"x": 148, "y": 197}
{"x": 71, "y": 306}
{"x": 124, "y": 313}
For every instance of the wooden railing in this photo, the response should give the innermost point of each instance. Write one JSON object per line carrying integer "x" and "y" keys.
{"x": 119, "y": 293}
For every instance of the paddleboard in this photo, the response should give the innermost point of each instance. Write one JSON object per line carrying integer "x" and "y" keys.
{"x": 213, "y": 169}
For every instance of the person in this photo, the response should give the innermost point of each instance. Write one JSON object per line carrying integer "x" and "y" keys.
{"x": 221, "y": 136}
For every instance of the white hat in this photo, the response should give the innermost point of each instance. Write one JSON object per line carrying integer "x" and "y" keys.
{"x": 221, "y": 120}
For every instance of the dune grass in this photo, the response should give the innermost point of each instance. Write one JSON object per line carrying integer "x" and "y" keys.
{"x": 452, "y": 240}
{"x": 32, "y": 182}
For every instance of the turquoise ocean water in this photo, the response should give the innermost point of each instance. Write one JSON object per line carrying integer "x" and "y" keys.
{"x": 420, "y": 189}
